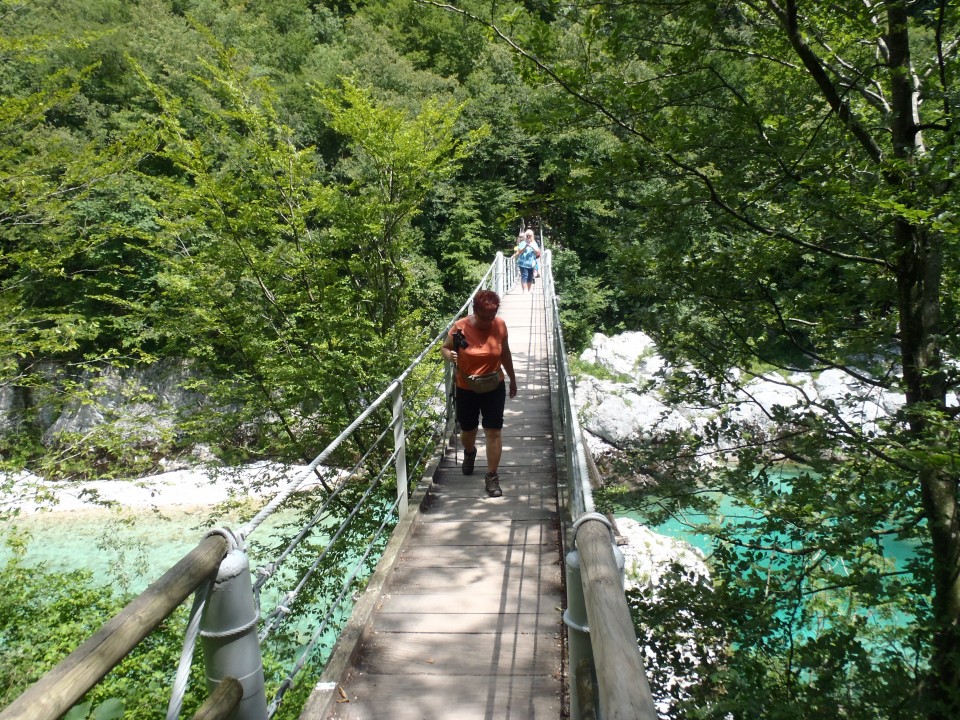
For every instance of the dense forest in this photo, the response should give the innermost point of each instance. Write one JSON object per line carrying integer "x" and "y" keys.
{"x": 281, "y": 195}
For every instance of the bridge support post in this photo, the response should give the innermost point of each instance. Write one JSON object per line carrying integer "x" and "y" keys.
{"x": 400, "y": 448}
{"x": 499, "y": 275}
{"x": 228, "y": 632}
{"x": 578, "y": 638}
{"x": 450, "y": 404}
{"x": 591, "y": 685}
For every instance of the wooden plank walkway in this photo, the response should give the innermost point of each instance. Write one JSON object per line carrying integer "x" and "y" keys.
{"x": 468, "y": 622}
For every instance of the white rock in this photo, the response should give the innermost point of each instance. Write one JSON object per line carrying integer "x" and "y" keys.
{"x": 622, "y": 353}
{"x": 651, "y": 559}
{"x": 620, "y": 415}
{"x": 195, "y": 487}
{"x": 834, "y": 384}
{"x": 891, "y": 401}
{"x": 597, "y": 445}
{"x": 770, "y": 393}
{"x": 623, "y": 413}
{"x": 760, "y": 396}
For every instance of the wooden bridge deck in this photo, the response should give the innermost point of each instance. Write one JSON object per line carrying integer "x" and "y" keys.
{"x": 466, "y": 622}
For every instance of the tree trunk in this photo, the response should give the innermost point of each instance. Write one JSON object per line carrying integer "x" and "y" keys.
{"x": 918, "y": 283}
{"x": 919, "y": 275}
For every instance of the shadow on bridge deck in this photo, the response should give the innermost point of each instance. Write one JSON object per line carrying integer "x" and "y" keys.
{"x": 465, "y": 618}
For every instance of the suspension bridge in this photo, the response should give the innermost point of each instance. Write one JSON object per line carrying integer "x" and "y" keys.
{"x": 478, "y": 607}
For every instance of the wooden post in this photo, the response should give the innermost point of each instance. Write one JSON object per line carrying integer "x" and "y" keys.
{"x": 222, "y": 701}
{"x": 621, "y": 678}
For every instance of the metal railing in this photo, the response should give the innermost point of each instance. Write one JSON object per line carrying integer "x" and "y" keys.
{"x": 414, "y": 411}
{"x": 608, "y": 679}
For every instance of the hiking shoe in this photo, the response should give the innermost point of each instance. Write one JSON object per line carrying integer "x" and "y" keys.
{"x": 492, "y": 483}
{"x": 468, "y": 460}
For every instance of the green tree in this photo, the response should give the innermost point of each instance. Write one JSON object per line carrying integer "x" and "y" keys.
{"x": 76, "y": 233}
{"x": 394, "y": 162}
{"x": 294, "y": 288}
{"x": 411, "y": 53}
{"x": 45, "y": 615}
{"x": 791, "y": 205}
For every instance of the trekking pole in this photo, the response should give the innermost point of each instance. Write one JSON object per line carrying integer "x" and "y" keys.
{"x": 459, "y": 343}
{"x": 456, "y": 420}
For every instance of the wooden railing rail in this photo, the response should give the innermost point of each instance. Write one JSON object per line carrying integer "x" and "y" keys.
{"x": 222, "y": 701}
{"x": 624, "y": 693}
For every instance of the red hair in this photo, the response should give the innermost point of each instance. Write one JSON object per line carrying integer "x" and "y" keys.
{"x": 486, "y": 300}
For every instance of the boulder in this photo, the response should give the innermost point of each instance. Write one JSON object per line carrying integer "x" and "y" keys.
{"x": 760, "y": 396}
{"x": 835, "y": 384}
{"x": 621, "y": 415}
{"x": 629, "y": 353}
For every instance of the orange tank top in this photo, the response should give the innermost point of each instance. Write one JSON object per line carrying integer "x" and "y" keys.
{"x": 484, "y": 349}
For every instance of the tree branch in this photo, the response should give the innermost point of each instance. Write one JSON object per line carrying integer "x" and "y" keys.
{"x": 789, "y": 20}
{"x": 711, "y": 188}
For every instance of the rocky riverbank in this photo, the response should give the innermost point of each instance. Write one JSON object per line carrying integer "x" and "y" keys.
{"x": 201, "y": 486}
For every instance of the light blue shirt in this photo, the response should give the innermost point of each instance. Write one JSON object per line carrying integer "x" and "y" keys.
{"x": 528, "y": 257}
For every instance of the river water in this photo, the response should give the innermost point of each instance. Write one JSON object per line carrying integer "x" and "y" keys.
{"x": 156, "y": 521}
{"x": 127, "y": 549}
{"x": 683, "y": 528}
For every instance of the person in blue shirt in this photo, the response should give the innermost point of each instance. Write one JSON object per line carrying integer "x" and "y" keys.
{"x": 527, "y": 255}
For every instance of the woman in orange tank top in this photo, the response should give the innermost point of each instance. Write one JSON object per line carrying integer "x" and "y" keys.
{"x": 478, "y": 346}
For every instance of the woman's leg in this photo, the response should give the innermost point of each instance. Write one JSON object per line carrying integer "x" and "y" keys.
{"x": 494, "y": 440}
{"x": 468, "y": 438}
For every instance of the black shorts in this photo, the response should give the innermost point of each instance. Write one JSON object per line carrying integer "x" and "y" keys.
{"x": 471, "y": 405}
